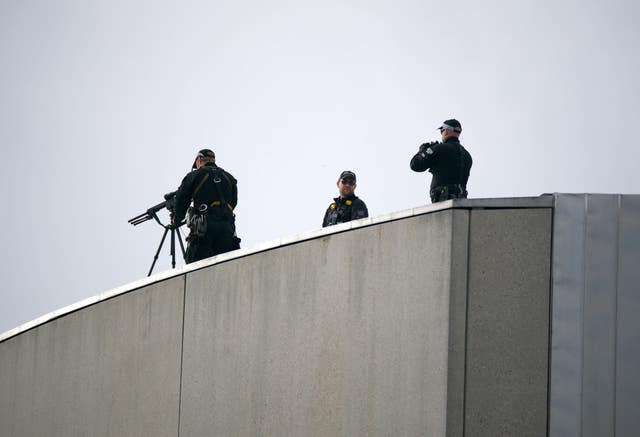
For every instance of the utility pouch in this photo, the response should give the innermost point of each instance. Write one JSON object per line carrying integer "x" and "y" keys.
{"x": 197, "y": 221}
{"x": 439, "y": 194}
{"x": 236, "y": 242}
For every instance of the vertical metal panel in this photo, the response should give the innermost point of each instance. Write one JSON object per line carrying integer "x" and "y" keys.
{"x": 565, "y": 409}
{"x": 599, "y": 317}
{"x": 628, "y": 328}
{"x": 595, "y": 353}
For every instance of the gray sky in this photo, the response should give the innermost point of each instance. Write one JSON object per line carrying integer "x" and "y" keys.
{"x": 103, "y": 105}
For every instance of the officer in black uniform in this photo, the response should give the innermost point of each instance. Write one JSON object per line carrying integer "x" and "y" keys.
{"x": 347, "y": 206}
{"x": 448, "y": 161}
{"x": 211, "y": 220}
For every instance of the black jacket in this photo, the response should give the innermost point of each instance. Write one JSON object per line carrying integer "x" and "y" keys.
{"x": 449, "y": 162}
{"x": 206, "y": 185}
{"x": 344, "y": 210}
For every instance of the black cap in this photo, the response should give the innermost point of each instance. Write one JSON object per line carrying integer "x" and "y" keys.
{"x": 347, "y": 174}
{"x": 204, "y": 153}
{"x": 451, "y": 124}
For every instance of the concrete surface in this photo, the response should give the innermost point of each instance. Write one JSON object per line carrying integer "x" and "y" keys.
{"x": 112, "y": 369}
{"x": 432, "y": 321}
{"x": 508, "y": 323}
{"x": 341, "y": 336}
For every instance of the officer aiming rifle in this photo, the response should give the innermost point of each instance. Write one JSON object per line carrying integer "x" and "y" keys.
{"x": 211, "y": 220}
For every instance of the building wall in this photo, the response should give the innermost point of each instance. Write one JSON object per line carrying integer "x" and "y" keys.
{"x": 111, "y": 369}
{"x": 345, "y": 335}
{"x": 508, "y": 323}
{"x": 430, "y": 324}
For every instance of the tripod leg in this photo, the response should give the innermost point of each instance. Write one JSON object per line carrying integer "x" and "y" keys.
{"x": 173, "y": 248}
{"x": 155, "y": 258}
{"x": 184, "y": 254}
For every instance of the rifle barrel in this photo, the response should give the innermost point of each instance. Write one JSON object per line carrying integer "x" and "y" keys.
{"x": 148, "y": 215}
{"x": 140, "y": 219}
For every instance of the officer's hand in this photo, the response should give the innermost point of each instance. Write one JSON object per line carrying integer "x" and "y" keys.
{"x": 173, "y": 224}
{"x": 425, "y": 146}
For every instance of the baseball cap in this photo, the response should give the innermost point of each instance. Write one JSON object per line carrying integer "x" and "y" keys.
{"x": 451, "y": 124}
{"x": 347, "y": 174}
{"x": 204, "y": 153}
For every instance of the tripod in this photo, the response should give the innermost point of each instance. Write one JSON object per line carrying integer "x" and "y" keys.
{"x": 152, "y": 213}
{"x": 174, "y": 231}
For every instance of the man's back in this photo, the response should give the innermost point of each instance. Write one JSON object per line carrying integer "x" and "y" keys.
{"x": 448, "y": 161}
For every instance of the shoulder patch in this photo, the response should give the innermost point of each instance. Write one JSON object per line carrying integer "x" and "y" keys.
{"x": 429, "y": 151}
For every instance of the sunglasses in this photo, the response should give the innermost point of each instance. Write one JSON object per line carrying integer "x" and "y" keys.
{"x": 348, "y": 181}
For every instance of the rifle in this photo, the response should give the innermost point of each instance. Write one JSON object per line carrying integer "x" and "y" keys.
{"x": 151, "y": 213}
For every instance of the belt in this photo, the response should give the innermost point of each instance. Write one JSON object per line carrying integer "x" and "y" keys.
{"x": 450, "y": 188}
{"x": 218, "y": 203}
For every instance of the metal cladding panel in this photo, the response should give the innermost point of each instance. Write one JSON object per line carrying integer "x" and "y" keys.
{"x": 111, "y": 369}
{"x": 599, "y": 316}
{"x": 565, "y": 413}
{"x": 344, "y": 335}
{"x": 594, "y": 354}
{"x": 627, "y": 383}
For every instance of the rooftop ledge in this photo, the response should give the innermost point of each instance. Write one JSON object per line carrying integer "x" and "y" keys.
{"x": 543, "y": 201}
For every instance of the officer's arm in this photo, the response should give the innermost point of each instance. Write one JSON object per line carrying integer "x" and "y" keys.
{"x": 325, "y": 220}
{"x": 234, "y": 192}
{"x": 468, "y": 172}
{"x": 183, "y": 198}
{"x": 361, "y": 211}
{"x": 423, "y": 160}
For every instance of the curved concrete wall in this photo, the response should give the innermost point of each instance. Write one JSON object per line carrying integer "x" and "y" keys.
{"x": 109, "y": 369}
{"x": 433, "y": 321}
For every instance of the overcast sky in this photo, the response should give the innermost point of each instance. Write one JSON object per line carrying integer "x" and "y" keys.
{"x": 104, "y": 104}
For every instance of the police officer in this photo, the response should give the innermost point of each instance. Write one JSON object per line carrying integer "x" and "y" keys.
{"x": 347, "y": 206}
{"x": 214, "y": 193}
{"x": 448, "y": 161}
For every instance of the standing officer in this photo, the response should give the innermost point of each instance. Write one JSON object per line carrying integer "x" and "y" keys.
{"x": 347, "y": 206}
{"x": 214, "y": 193}
{"x": 448, "y": 161}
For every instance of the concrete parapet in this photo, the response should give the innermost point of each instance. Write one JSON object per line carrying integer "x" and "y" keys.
{"x": 433, "y": 321}
{"x": 111, "y": 369}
